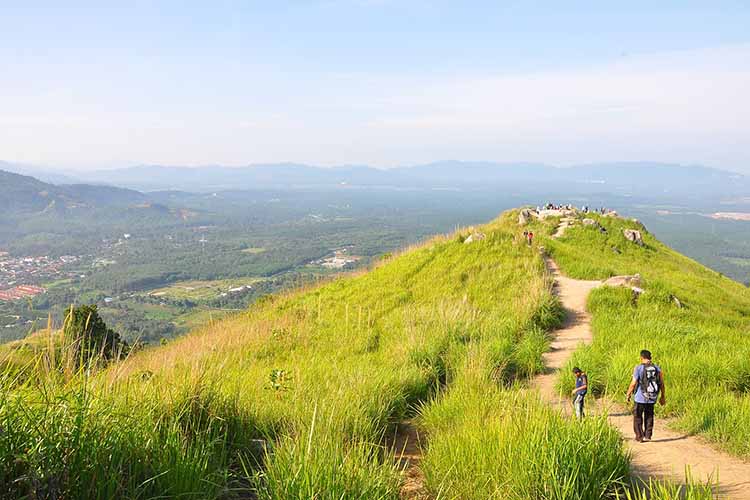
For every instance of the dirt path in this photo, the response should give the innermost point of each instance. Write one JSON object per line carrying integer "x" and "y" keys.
{"x": 408, "y": 450}
{"x": 560, "y": 231}
{"x": 670, "y": 452}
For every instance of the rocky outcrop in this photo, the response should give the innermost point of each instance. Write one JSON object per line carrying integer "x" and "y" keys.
{"x": 526, "y": 214}
{"x": 556, "y": 213}
{"x": 474, "y": 237}
{"x": 523, "y": 217}
{"x": 625, "y": 280}
{"x": 595, "y": 224}
{"x": 633, "y": 235}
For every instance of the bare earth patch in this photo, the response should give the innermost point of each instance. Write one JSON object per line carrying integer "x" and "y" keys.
{"x": 406, "y": 445}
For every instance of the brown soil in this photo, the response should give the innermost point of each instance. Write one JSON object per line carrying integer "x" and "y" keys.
{"x": 670, "y": 453}
{"x": 406, "y": 445}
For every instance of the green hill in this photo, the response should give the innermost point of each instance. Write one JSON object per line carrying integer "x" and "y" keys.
{"x": 300, "y": 396}
{"x": 22, "y": 194}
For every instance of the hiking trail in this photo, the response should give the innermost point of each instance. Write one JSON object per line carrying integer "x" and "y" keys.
{"x": 669, "y": 453}
{"x": 406, "y": 445}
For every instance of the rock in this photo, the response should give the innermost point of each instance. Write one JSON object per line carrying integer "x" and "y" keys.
{"x": 523, "y": 217}
{"x": 594, "y": 224}
{"x": 611, "y": 213}
{"x": 474, "y": 237}
{"x": 630, "y": 281}
{"x": 550, "y": 213}
{"x": 525, "y": 214}
{"x": 633, "y": 235}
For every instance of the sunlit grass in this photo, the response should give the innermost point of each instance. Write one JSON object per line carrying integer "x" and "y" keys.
{"x": 702, "y": 343}
{"x": 293, "y": 398}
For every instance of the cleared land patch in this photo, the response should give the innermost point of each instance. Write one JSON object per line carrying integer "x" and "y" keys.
{"x": 203, "y": 290}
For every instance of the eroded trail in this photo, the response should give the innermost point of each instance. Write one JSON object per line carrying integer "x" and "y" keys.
{"x": 407, "y": 447}
{"x": 670, "y": 453}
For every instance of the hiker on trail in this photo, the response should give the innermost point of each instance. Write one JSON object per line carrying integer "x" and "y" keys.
{"x": 579, "y": 393}
{"x": 648, "y": 384}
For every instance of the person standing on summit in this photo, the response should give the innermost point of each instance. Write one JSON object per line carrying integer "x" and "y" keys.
{"x": 648, "y": 384}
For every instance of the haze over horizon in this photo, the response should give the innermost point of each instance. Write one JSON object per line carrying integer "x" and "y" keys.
{"x": 379, "y": 83}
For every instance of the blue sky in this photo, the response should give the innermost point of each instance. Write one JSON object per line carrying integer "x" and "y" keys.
{"x": 379, "y": 82}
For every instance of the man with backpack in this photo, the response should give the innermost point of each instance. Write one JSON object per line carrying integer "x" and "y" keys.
{"x": 648, "y": 384}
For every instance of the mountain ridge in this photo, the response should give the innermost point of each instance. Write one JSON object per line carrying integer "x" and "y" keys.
{"x": 647, "y": 177}
{"x": 24, "y": 193}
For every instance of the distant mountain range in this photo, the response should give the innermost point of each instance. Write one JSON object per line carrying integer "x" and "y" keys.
{"x": 22, "y": 193}
{"x": 43, "y": 174}
{"x": 642, "y": 179}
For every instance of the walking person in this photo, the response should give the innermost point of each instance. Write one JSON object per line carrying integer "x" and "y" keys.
{"x": 579, "y": 393}
{"x": 648, "y": 384}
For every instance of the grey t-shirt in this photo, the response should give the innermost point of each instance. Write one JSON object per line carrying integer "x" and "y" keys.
{"x": 638, "y": 372}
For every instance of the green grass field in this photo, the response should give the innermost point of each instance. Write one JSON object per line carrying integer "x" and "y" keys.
{"x": 253, "y": 250}
{"x": 294, "y": 399}
{"x": 201, "y": 290}
{"x": 703, "y": 346}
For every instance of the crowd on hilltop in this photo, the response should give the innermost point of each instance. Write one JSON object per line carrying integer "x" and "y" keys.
{"x": 567, "y": 206}
{"x": 552, "y": 206}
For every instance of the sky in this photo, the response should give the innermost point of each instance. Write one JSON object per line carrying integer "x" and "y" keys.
{"x": 378, "y": 82}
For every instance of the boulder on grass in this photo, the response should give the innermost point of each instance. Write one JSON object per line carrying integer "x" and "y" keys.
{"x": 474, "y": 237}
{"x": 590, "y": 222}
{"x": 633, "y": 235}
{"x": 550, "y": 213}
{"x": 628, "y": 281}
{"x": 523, "y": 217}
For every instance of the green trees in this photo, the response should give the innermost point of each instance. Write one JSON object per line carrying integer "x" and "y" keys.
{"x": 91, "y": 341}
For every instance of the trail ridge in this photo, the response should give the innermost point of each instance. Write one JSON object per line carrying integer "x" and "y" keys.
{"x": 670, "y": 453}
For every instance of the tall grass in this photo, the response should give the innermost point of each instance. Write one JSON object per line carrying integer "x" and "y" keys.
{"x": 702, "y": 343}
{"x": 293, "y": 398}
{"x": 318, "y": 376}
{"x": 488, "y": 442}
{"x": 666, "y": 490}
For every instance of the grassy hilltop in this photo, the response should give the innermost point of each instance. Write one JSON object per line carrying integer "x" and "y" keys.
{"x": 298, "y": 397}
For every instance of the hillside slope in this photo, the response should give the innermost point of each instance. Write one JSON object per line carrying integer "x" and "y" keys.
{"x": 695, "y": 321}
{"x": 21, "y": 193}
{"x": 297, "y": 398}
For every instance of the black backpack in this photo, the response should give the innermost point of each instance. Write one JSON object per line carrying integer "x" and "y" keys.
{"x": 650, "y": 383}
